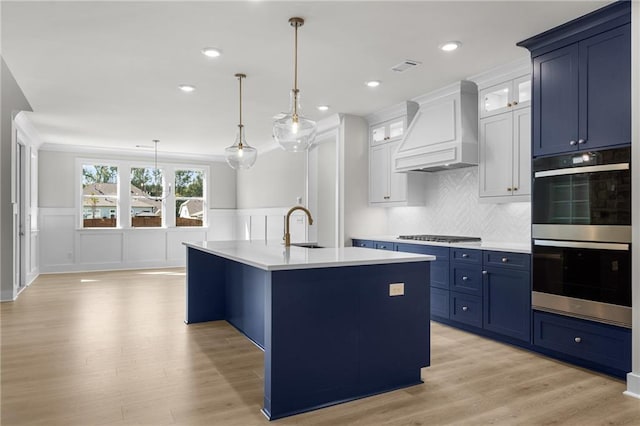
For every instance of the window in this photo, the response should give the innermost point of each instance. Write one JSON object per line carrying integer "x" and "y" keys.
{"x": 128, "y": 194}
{"x": 190, "y": 205}
{"x": 147, "y": 190}
{"x": 99, "y": 196}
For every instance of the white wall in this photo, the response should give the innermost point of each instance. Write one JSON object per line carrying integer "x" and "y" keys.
{"x": 453, "y": 208}
{"x": 276, "y": 180}
{"x": 12, "y": 101}
{"x": 66, "y": 248}
{"x": 359, "y": 218}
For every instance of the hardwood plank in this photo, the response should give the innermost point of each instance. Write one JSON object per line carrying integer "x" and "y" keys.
{"x": 111, "y": 348}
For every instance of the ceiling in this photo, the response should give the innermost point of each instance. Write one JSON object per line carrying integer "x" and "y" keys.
{"x": 106, "y": 74}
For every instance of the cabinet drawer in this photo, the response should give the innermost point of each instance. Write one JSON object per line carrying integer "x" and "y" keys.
{"x": 465, "y": 308}
{"x": 362, "y": 243}
{"x": 466, "y": 279}
{"x": 441, "y": 253}
{"x": 439, "y": 302}
{"x": 600, "y": 343}
{"x": 507, "y": 259}
{"x": 466, "y": 255}
{"x": 382, "y": 245}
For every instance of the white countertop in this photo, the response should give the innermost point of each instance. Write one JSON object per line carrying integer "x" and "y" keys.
{"x": 488, "y": 245}
{"x": 273, "y": 256}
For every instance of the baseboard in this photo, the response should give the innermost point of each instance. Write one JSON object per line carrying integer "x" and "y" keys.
{"x": 633, "y": 385}
{"x": 116, "y": 266}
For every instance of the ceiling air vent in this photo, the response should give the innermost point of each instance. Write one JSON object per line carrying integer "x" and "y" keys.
{"x": 405, "y": 65}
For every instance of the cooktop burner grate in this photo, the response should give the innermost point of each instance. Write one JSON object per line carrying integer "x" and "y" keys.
{"x": 439, "y": 238}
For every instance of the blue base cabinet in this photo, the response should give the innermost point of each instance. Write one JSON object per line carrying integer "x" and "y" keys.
{"x": 507, "y": 309}
{"x": 439, "y": 276}
{"x": 590, "y": 344}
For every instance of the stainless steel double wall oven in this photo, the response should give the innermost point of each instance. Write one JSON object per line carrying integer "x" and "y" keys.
{"x": 581, "y": 233}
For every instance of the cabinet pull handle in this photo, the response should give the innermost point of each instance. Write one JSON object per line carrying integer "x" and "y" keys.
{"x": 572, "y": 142}
{"x": 577, "y": 340}
{"x": 509, "y": 104}
{"x": 515, "y": 103}
{"x": 383, "y": 247}
{"x": 465, "y": 308}
{"x": 362, "y": 244}
{"x": 465, "y": 255}
{"x": 485, "y": 272}
{"x": 581, "y": 141}
{"x": 465, "y": 278}
{"x": 505, "y": 259}
{"x": 515, "y": 189}
{"x": 509, "y": 189}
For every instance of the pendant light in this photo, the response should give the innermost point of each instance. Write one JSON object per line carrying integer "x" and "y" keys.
{"x": 240, "y": 155}
{"x": 294, "y": 132}
{"x": 156, "y": 180}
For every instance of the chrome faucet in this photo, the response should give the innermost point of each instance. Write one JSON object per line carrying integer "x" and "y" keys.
{"x": 287, "y": 236}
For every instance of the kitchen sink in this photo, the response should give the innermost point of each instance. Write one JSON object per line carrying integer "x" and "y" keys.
{"x": 307, "y": 245}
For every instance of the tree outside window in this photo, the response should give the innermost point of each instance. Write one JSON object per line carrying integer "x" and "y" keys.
{"x": 190, "y": 205}
{"x": 147, "y": 191}
{"x": 99, "y": 196}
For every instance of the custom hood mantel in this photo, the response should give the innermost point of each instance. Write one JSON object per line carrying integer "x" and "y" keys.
{"x": 443, "y": 133}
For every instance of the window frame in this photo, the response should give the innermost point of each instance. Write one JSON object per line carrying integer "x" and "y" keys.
{"x": 123, "y": 207}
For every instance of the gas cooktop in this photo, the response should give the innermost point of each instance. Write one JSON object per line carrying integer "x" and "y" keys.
{"x": 438, "y": 238}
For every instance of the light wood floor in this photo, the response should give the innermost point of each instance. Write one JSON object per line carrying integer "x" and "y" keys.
{"x": 112, "y": 349}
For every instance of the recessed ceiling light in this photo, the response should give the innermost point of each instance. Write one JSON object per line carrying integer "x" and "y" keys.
{"x": 211, "y": 52}
{"x": 186, "y": 87}
{"x": 450, "y": 46}
{"x": 373, "y": 83}
{"x": 323, "y": 107}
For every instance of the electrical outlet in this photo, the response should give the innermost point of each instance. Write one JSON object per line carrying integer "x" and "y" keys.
{"x": 396, "y": 289}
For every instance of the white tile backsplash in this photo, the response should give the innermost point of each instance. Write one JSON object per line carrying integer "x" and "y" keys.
{"x": 453, "y": 208}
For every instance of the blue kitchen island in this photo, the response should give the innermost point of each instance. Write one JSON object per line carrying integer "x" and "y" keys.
{"x": 335, "y": 324}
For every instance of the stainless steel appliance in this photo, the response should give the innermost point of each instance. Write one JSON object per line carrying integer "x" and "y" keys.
{"x": 439, "y": 238}
{"x": 581, "y": 214}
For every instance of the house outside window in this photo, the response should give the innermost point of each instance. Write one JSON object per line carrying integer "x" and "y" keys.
{"x": 147, "y": 193}
{"x": 99, "y": 196}
{"x": 189, "y": 197}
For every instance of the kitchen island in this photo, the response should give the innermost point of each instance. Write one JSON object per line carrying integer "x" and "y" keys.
{"x": 335, "y": 324}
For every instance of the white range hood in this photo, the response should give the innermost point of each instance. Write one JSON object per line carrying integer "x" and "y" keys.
{"x": 443, "y": 133}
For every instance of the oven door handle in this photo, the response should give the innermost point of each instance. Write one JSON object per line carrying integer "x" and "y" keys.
{"x": 586, "y": 169}
{"x": 581, "y": 244}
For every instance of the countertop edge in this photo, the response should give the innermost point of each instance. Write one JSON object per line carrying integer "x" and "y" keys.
{"x": 490, "y": 246}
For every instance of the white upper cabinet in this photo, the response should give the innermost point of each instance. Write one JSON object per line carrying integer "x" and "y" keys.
{"x": 506, "y": 96}
{"x": 388, "y": 131}
{"x": 386, "y": 187}
{"x": 504, "y": 103}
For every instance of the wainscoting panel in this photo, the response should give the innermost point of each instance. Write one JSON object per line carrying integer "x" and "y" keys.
{"x": 146, "y": 245}
{"x": 175, "y": 237}
{"x": 100, "y": 247}
{"x": 57, "y": 240}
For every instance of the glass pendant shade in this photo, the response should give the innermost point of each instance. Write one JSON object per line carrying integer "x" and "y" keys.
{"x": 294, "y": 132}
{"x": 240, "y": 155}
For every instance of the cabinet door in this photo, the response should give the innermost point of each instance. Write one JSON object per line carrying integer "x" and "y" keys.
{"x": 521, "y": 92}
{"x": 379, "y": 174}
{"x": 605, "y": 95}
{"x": 495, "y": 168}
{"x": 522, "y": 152}
{"x": 496, "y": 99}
{"x": 555, "y": 110}
{"x": 507, "y": 302}
{"x": 397, "y": 181}
{"x": 378, "y": 134}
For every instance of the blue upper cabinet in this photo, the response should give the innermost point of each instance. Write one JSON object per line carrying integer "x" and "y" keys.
{"x": 581, "y": 96}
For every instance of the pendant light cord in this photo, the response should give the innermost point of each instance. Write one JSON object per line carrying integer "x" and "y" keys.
{"x": 240, "y": 84}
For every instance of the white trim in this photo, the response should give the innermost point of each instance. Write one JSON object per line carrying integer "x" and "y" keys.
{"x": 131, "y": 153}
{"x": 633, "y": 378}
{"x": 26, "y": 126}
{"x": 633, "y": 385}
{"x": 502, "y": 73}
